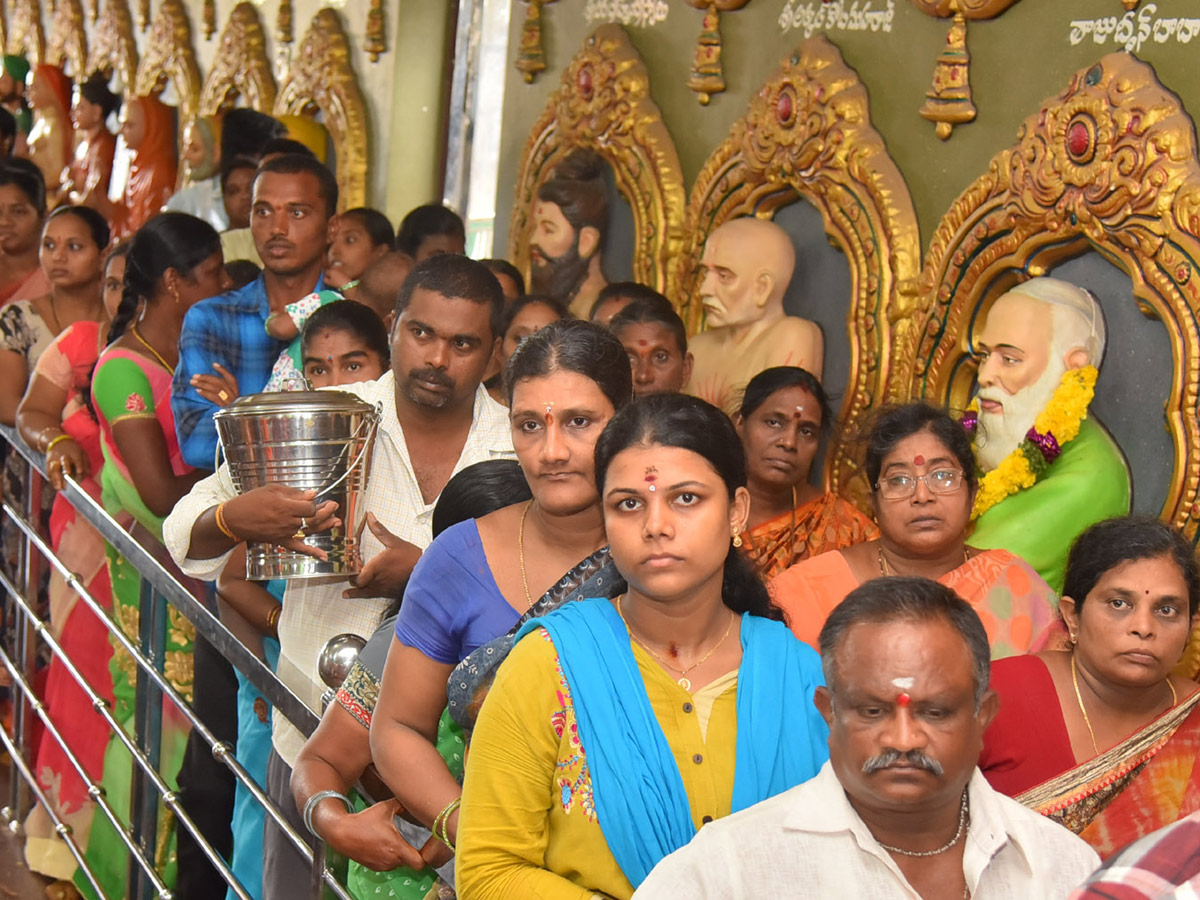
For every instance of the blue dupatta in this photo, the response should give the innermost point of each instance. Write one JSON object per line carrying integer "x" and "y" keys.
{"x": 641, "y": 804}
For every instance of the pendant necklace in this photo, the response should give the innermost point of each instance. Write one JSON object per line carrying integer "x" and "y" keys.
{"x": 682, "y": 680}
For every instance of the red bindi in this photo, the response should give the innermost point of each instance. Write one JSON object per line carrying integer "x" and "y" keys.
{"x": 651, "y": 473}
{"x": 903, "y": 699}
{"x": 918, "y": 460}
{"x": 642, "y": 343}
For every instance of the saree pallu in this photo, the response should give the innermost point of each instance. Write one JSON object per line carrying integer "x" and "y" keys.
{"x": 825, "y": 523}
{"x": 1149, "y": 780}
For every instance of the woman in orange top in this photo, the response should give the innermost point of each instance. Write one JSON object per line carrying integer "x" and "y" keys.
{"x": 923, "y": 478}
{"x": 783, "y": 415}
{"x": 148, "y": 126}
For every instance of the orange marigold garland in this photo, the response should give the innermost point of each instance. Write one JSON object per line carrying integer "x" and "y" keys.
{"x": 1055, "y": 427}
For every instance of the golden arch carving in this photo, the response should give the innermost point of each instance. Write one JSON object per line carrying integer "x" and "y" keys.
{"x": 808, "y": 135}
{"x": 170, "y": 57}
{"x": 241, "y": 66}
{"x": 1110, "y": 164}
{"x": 68, "y": 39}
{"x": 25, "y": 35}
{"x": 113, "y": 49}
{"x": 604, "y": 104}
{"x": 322, "y": 79}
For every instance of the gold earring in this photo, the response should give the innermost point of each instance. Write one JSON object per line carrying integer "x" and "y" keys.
{"x": 1072, "y": 639}
{"x": 737, "y": 539}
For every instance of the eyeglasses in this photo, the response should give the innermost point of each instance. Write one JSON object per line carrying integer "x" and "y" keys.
{"x": 901, "y": 487}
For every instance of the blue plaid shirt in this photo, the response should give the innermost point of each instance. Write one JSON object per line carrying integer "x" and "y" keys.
{"x": 230, "y": 329}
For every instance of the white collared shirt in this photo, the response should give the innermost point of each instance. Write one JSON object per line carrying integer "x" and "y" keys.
{"x": 809, "y": 842}
{"x": 313, "y": 609}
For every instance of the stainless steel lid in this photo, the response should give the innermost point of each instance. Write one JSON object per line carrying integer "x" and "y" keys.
{"x": 292, "y": 403}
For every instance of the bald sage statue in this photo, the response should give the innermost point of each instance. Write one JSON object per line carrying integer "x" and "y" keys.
{"x": 1050, "y": 469}
{"x": 747, "y": 266}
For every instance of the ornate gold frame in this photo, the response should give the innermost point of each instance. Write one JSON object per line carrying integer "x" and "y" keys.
{"x": 25, "y": 35}
{"x": 322, "y": 78}
{"x": 808, "y": 134}
{"x": 241, "y": 66}
{"x": 169, "y": 56}
{"x": 68, "y": 38}
{"x": 604, "y": 104}
{"x": 113, "y": 48}
{"x": 1110, "y": 164}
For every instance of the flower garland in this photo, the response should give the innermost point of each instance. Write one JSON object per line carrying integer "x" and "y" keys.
{"x": 1055, "y": 427}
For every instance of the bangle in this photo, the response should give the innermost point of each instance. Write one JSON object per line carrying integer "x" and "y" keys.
{"x": 62, "y": 437}
{"x": 311, "y": 805}
{"x": 219, "y": 515}
{"x": 441, "y": 823}
{"x": 273, "y": 615}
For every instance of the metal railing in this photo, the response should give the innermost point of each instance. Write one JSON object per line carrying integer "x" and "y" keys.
{"x": 25, "y": 629}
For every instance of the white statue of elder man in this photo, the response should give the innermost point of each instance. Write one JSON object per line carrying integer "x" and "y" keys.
{"x": 1037, "y": 339}
{"x": 747, "y": 266}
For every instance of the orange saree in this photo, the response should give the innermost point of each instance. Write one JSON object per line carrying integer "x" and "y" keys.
{"x": 1013, "y": 601}
{"x": 1149, "y": 780}
{"x": 825, "y": 523}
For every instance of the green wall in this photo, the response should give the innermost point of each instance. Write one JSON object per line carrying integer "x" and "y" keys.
{"x": 1018, "y": 60}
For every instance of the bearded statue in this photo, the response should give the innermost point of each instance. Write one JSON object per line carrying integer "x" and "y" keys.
{"x": 748, "y": 265}
{"x": 570, "y": 221}
{"x": 1049, "y": 468}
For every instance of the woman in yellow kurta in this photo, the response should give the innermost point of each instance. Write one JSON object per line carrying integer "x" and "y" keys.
{"x": 616, "y": 729}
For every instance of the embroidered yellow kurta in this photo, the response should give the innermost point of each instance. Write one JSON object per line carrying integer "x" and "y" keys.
{"x": 528, "y": 828}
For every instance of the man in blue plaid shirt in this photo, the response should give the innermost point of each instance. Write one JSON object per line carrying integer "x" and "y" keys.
{"x": 292, "y": 221}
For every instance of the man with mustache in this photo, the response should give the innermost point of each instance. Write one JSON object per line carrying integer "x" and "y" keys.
{"x": 747, "y": 266}
{"x": 900, "y": 810}
{"x": 570, "y": 222}
{"x": 436, "y": 420}
{"x": 1039, "y": 336}
{"x": 292, "y": 221}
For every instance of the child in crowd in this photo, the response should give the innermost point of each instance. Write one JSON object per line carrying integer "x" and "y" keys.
{"x": 363, "y": 236}
{"x": 654, "y": 337}
{"x": 342, "y": 343}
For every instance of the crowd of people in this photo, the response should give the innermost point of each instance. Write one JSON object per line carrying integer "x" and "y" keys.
{"x": 637, "y": 610}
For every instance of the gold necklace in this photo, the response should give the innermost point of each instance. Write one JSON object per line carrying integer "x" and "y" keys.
{"x": 145, "y": 343}
{"x": 521, "y": 555}
{"x": 682, "y": 681}
{"x": 1079, "y": 699}
{"x": 885, "y": 569}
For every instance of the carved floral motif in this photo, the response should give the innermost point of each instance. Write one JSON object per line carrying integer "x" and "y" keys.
{"x": 170, "y": 57}
{"x": 113, "y": 49}
{"x": 321, "y": 79}
{"x": 808, "y": 134}
{"x": 68, "y": 40}
{"x": 241, "y": 66}
{"x": 25, "y": 33}
{"x": 1110, "y": 164}
{"x": 604, "y": 104}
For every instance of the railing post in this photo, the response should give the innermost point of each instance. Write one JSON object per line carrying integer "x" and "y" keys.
{"x": 148, "y": 700}
{"x": 28, "y": 576}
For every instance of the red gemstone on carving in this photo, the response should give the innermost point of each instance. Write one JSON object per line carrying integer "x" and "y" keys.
{"x": 784, "y": 108}
{"x": 585, "y": 82}
{"x": 1078, "y": 139}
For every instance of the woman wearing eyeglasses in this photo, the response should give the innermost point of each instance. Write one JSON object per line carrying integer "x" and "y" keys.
{"x": 922, "y": 474}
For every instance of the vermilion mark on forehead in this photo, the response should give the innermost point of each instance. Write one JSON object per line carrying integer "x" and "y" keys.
{"x": 903, "y": 699}
{"x": 642, "y": 343}
{"x": 918, "y": 460}
{"x": 651, "y": 473}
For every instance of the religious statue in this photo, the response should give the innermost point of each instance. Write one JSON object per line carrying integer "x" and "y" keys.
{"x": 747, "y": 266}
{"x": 201, "y": 195}
{"x": 13, "y": 72}
{"x": 91, "y": 167}
{"x": 1049, "y": 469}
{"x": 570, "y": 223}
{"x": 148, "y": 127}
{"x": 52, "y": 138}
